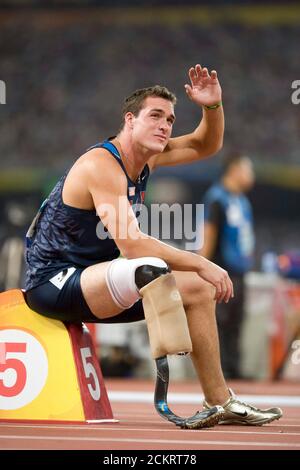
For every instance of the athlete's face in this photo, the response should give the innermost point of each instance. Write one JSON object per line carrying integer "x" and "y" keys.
{"x": 152, "y": 127}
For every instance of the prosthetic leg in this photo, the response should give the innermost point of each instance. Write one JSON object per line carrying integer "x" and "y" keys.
{"x": 201, "y": 419}
{"x": 168, "y": 334}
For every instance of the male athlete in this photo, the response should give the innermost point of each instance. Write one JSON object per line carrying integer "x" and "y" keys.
{"x": 75, "y": 275}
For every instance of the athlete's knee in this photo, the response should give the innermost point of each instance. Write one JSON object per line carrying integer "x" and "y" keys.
{"x": 197, "y": 291}
{"x": 206, "y": 292}
{"x": 125, "y": 278}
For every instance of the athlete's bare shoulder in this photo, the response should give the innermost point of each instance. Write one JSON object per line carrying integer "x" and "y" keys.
{"x": 96, "y": 167}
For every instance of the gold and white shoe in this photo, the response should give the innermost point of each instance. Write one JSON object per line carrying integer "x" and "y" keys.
{"x": 238, "y": 412}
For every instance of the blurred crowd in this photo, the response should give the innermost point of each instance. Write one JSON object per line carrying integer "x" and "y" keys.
{"x": 67, "y": 75}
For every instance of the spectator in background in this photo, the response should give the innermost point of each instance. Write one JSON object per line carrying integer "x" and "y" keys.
{"x": 229, "y": 242}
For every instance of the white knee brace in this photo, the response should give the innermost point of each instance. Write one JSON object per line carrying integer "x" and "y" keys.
{"x": 120, "y": 279}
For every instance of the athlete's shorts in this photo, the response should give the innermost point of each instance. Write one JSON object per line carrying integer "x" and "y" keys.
{"x": 65, "y": 302}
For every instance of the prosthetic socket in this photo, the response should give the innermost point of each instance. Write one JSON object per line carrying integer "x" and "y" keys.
{"x": 165, "y": 316}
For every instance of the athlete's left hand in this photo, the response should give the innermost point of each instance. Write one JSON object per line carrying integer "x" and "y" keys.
{"x": 205, "y": 89}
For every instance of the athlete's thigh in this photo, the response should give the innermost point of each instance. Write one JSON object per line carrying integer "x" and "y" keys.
{"x": 96, "y": 292}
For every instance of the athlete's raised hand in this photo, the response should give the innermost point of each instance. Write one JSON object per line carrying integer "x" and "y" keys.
{"x": 205, "y": 89}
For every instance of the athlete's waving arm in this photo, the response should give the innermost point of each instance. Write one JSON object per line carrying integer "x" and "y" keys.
{"x": 207, "y": 139}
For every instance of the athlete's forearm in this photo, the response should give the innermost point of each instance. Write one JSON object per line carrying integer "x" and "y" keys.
{"x": 179, "y": 260}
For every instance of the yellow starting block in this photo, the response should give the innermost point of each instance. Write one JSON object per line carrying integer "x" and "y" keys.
{"x": 48, "y": 370}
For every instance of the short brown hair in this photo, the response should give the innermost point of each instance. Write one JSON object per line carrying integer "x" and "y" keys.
{"x": 134, "y": 103}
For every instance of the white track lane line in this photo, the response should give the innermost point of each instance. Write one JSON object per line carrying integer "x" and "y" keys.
{"x": 172, "y": 430}
{"x": 156, "y": 441}
{"x": 195, "y": 398}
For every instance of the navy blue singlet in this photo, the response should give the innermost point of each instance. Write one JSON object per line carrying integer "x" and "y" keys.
{"x": 61, "y": 236}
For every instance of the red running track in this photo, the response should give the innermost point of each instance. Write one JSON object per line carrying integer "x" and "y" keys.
{"x": 140, "y": 427}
